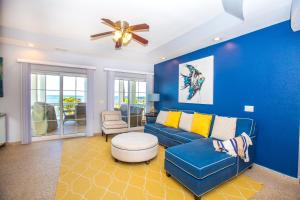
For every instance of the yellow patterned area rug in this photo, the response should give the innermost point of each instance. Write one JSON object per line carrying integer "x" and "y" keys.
{"x": 89, "y": 172}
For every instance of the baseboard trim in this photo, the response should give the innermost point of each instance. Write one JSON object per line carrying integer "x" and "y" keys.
{"x": 12, "y": 143}
{"x": 276, "y": 172}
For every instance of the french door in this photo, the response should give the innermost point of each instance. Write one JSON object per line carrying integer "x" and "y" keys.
{"x": 58, "y": 104}
{"x": 130, "y": 99}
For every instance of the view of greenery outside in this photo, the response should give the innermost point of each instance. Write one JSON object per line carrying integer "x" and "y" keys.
{"x": 133, "y": 92}
{"x": 69, "y": 104}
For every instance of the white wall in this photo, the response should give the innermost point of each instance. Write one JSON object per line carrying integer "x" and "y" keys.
{"x": 10, "y": 103}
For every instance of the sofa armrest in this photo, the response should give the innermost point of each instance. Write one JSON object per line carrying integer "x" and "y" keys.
{"x": 242, "y": 165}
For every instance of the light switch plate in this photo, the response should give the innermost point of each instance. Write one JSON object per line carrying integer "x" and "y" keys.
{"x": 101, "y": 101}
{"x": 249, "y": 108}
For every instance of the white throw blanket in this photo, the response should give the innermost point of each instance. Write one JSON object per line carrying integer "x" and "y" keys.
{"x": 237, "y": 146}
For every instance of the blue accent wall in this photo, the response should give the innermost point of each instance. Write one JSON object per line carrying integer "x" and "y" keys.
{"x": 260, "y": 69}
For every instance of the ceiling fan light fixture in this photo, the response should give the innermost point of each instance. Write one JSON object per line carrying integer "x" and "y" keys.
{"x": 117, "y": 35}
{"x": 123, "y": 33}
{"x": 126, "y": 37}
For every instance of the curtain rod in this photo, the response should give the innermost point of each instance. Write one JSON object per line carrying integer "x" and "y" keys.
{"x": 128, "y": 71}
{"x": 37, "y": 62}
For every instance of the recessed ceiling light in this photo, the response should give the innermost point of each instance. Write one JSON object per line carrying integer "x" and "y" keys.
{"x": 163, "y": 58}
{"x": 30, "y": 44}
{"x": 217, "y": 39}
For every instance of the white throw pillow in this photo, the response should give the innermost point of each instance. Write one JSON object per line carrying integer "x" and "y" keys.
{"x": 224, "y": 128}
{"x": 186, "y": 121}
{"x": 162, "y": 117}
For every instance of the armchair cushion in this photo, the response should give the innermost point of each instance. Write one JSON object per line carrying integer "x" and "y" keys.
{"x": 111, "y": 116}
{"x": 114, "y": 124}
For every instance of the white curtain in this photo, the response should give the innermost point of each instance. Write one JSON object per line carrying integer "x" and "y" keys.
{"x": 25, "y": 103}
{"x": 110, "y": 90}
{"x": 90, "y": 103}
{"x": 150, "y": 89}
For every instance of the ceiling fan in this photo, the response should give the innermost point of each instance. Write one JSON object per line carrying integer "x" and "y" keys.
{"x": 123, "y": 33}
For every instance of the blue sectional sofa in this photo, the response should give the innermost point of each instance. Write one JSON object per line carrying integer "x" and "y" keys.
{"x": 192, "y": 160}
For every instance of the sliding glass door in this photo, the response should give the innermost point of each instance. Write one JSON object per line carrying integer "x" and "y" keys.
{"x": 74, "y": 104}
{"x": 130, "y": 99}
{"x": 58, "y": 104}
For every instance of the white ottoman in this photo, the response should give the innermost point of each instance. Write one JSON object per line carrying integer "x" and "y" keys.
{"x": 134, "y": 147}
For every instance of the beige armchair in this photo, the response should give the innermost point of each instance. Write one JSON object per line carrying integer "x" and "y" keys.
{"x": 112, "y": 123}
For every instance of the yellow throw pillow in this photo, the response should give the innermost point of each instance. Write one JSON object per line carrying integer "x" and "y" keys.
{"x": 201, "y": 124}
{"x": 173, "y": 119}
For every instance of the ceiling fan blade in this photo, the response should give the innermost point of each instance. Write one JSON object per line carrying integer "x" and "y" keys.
{"x": 139, "y": 27}
{"x": 95, "y": 36}
{"x": 110, "y": 23}
{"x": 139, "y": 39}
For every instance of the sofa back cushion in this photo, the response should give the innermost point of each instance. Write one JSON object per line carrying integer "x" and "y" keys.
{"x": 162, "y": 117}
{"x": 224, "y": 128}
{"x": 173, "y": 119}
{"x": 244, "y": 125}
{"x": 186, "y": 121}
{"x": 201, "y": 124}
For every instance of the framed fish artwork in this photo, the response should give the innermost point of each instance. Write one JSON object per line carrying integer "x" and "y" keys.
{"x": 196, "y": 81}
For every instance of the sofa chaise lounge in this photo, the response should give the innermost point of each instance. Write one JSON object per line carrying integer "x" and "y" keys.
{"x": 192, "y": 160}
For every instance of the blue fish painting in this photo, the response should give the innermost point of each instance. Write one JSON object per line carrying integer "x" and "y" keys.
{"x": 193, "y": 81}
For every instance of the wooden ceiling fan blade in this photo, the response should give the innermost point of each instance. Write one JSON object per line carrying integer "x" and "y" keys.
{"x": 110, "y": 23}
{"x": 139, "y": 27}
{"x": 95, "y": 36}
{"x": 139, "y": 39}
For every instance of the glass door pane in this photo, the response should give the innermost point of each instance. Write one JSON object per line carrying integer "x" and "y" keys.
{"x": 130, "y": 99}
{"x": 74, "y": 105}
{"x": 45, "y": 112}
{"x": 137, "y": 102}
{"x": 121, "y": 98}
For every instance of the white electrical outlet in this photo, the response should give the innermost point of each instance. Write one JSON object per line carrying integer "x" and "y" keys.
{"x": 249, "y": 108}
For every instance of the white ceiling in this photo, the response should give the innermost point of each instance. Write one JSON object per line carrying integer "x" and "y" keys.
{"x": 176, "y": 26}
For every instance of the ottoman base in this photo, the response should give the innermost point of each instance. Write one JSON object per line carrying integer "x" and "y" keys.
{"x": 134, "y": 155}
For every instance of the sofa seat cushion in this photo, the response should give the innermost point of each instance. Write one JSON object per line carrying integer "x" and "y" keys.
{"x": 178, "y": 135}
{"x": 154, "y": 126}
{"x": 198, "y": 158}
{"x": 161, "y": 129}
{"x": 185, "y": 136}
{"x": 169, "y": 131}
{"x": 114, "y": 124}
